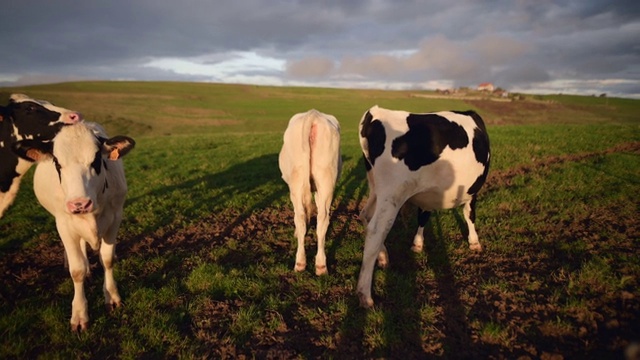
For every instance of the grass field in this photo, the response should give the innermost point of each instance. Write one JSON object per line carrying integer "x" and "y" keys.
{"x": 206, "y": 250}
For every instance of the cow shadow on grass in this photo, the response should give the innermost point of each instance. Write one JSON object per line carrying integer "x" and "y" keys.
{"x": 421, "y": 315}
{"x": 246, "y": 186}
{"x": 405, "y": 327}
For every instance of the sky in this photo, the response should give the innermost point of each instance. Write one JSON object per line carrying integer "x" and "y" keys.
{"x": 585, "y": 47}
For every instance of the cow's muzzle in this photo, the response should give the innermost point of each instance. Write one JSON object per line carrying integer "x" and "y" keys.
{"x": 80, "y": 206}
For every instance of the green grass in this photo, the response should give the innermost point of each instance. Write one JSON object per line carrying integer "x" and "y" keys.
{"x": 207, "y": 251}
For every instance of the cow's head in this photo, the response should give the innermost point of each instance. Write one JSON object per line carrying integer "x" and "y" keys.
{"x": 37, "y": 118}
{"x": 81, "y": 159}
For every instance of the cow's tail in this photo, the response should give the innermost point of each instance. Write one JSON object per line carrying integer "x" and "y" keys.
{"x": 308, "y": 138}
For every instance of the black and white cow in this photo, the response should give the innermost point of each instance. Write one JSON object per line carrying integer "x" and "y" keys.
{"x": 80, "y": 180}
{"x": 433, "y": 160}
{"x": 25, "y": 118}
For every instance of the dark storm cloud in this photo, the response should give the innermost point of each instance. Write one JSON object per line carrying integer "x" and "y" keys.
{"x": 519, "y": 44}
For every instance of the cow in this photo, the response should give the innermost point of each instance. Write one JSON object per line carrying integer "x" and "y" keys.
{"x": 25, "y": 118}
{"x": 310, "y": 162}
{"x": 433, "y": 160}
{"x": 80, "y": 180}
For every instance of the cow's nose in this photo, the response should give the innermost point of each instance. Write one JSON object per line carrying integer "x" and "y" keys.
{"x": 73, "y": 118}
{"x": 80, "y": 206}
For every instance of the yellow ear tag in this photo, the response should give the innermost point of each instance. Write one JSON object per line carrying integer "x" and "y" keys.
{"x": 114, "y": 154}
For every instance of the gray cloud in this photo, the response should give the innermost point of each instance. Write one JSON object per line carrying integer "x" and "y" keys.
{"x": 520, "y": 44}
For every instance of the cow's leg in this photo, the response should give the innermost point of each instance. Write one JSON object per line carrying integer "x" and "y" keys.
{"x": 383, "y": 256}
{"x": 377, "y": 231}
{"x": 418, "y": 239}
{"x": 300, "y": 221}
{"x": 83, "y": 248}
{"x": 367, "y": 211}
{"x": 107, "y": 258}
{"x": 366, "y": 214}
{"x": 324, "y": 196}
{"x": 7, "y": 198}
{"x": 470, "y": 217}
{"x": 78, "y": 270}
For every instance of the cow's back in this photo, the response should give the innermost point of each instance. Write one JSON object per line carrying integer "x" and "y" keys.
{"x": 307, "y": 133}
{"x": 324, "y": 140}
{"x": 429, "y": 158}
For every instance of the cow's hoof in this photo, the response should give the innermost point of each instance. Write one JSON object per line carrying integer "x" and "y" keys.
{"x": 78, "y": 328}
{"x": 476, "y": 247}
{"x": 112, "y": 306}
{"x": 299, "y": 267}
{"x": 321, "y": 270}
{"x": 365, "y": 301}
{"x": 383, "y": 260}
{"x": 416, "y": 248}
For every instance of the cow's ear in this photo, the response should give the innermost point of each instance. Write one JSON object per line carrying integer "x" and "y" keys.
{"x": 118, "y": 146}
{"x": 33, "y": 150}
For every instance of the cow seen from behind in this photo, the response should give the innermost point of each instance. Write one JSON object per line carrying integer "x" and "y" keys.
{"x": 432, "y": 160}
{"x": 310, "y": 162}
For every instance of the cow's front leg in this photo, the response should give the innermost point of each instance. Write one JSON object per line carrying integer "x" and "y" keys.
{"x": 112, "y": 298}
{"x": 78, "y": 270}
{"x": 7, "y": 198}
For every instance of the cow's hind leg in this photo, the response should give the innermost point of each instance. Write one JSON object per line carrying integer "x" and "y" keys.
{"x": 366, "y": 214}
{"x": 377, "y": 231}
{"x": 324, "y": 196}
{"x": 418, "y": 239}
{"x": 369, "y": 207}
{"x": 300, "y": 220}
{"x": 470, "y": 217}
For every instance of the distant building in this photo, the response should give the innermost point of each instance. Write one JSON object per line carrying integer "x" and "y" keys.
{"x": 501, "y": 93}
{"x": 487, "y": 86}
